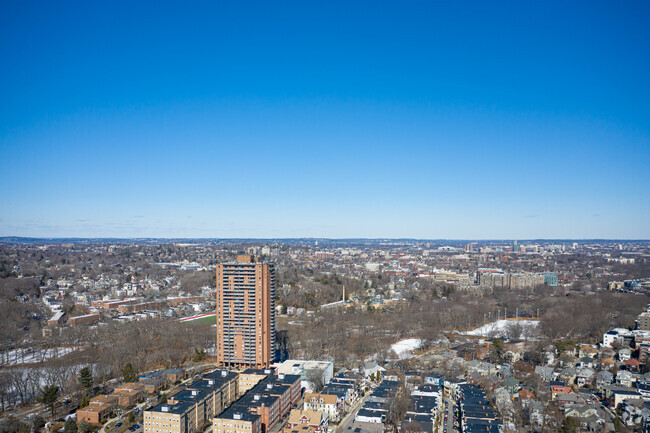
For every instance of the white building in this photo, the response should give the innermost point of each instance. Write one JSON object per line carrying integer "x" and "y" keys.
{"x": 308, "y": 371}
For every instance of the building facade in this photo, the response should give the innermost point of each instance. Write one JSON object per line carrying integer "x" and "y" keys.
{"x": 245, "y": 313}
{"x": 194, "y": 407}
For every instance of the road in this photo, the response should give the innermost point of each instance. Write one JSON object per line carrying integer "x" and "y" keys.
{"x": 123, "y": 419}
{"x": 447, "y": 416}
{"x": 349, "y": 418}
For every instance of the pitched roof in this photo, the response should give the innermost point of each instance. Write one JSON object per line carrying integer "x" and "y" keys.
{"x": 309, "y": 417}
{"x": 327, "y": 398}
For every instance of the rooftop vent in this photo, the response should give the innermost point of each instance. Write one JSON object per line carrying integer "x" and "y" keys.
{"x": 165, "y": 408}
{"x": 236, "y": 416}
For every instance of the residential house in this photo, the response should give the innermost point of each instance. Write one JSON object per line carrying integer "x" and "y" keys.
{"x": 603, "y": 378}
{"x": 373, "y": 369}
{"x": 624, "y": 354}
{"x": 536, "y": 413}
{"x": 568, "y": 375}
{"x": 546, "y": 373}
{"x": 625, "y": 378}
{"x": 511, "y": 384}
{"x": 557, "y": 390}
{"x": 584, "y": 376}
{"x": 317, "y": 420}
{"x": 325, "y": 403}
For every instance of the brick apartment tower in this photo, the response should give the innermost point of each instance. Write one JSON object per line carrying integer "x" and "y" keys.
{"x": 245, "y": 313}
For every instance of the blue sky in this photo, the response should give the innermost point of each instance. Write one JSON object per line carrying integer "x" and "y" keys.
{"x": 464, "y": 120}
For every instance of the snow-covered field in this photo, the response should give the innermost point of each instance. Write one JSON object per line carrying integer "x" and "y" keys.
{"x": 403, "y": 348}
{"x": 500, "y": 328}
{"x": 32, "y": 355}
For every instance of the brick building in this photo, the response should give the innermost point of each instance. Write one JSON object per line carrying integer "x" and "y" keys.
{"x": 245, "y": 313}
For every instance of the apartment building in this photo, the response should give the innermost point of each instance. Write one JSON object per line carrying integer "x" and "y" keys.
{"x": 128, "y": 394}
{"x": 236, "y": 420}
{"x": 290, "y": 380}
{"x": 267, "y": 406}
{"x": 98, "y": 409}
{"x": 251, "y": 377}
{"x": 86, "y": 319}
{"x": 245, "y": 313}
{"x": 194, "y": 407}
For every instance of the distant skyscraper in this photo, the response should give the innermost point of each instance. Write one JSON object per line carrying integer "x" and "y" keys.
{"x": 245, "y": 313}
{"x": 515, "y": 247}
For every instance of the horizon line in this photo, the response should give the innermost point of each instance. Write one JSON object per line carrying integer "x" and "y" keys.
{"x": 4, "y": 238}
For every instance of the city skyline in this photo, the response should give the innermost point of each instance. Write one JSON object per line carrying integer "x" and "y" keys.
{"x": 372, "y": 120}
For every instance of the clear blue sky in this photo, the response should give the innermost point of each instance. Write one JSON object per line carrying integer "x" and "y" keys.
{"x": 467, "y": 120}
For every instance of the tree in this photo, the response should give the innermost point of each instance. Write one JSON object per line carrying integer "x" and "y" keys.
{"x": 570, "y": 425}
{"x": 70, "y": 426}
{"x": 315, "y": 377}
{"x": 129, "y": 373}
{"x": 199, "y": 355}
{"x": 49, "y": 396}
{"x": 398, "y": 406}
{"x": 85, "y": 378}
{"x": 39, "y": 423}
{"x": 84, "y": 401}
{"x": 535, "y": 355}
{"x": 497, "y": 350}
{"x": 412, "y": 427}
{"x": 84, "y": 427}
{"x": 12, "y": 425}
{"x": 132, "y": 415}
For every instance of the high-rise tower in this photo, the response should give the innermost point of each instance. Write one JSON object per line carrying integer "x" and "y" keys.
{"x": 245, "y": 313}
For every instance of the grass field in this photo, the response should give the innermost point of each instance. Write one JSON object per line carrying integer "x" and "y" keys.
{"x": 212, "y": 320}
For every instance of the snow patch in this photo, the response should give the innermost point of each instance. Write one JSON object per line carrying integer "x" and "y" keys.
{"x": 403, "y": 348}
{"x": 502, "y": 327}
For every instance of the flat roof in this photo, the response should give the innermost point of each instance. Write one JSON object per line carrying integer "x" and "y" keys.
{"x": 238, "y": 413}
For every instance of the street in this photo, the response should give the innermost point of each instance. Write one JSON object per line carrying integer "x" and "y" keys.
{"x": 349, "y": 418}
{"x": 448, "y": 421}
